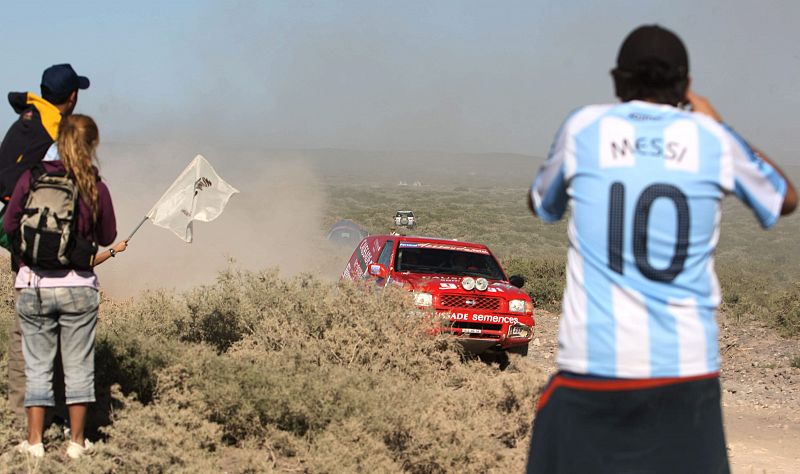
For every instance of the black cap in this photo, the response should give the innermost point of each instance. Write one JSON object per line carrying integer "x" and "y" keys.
{"x": 652, "y": 43}
{"x": 59, "y": 81}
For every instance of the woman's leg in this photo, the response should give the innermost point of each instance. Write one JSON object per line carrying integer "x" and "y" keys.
{"x": 77, "y": 421}
{"x": 39, "y": 342}
{"x": 78, "y": 320}
{"x": 16, "y": 373}
{"x": 35, "y": 424}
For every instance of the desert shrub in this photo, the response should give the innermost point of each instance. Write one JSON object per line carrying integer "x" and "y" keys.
{"x": 7, "y": 315}
{"x": 3, "y": 375}
{"x": 5, "y": 325}
{"x": 752, "y": 291}
{"x": 416, "y": 424}
{"x": 133, "y": 361}
{"x": 142, "y": 439}
{"x": 296, "y": 375}
{"x": 214, "y": 314}
{"x": 350, "y": 446}
{"x": 134, "y": 342}
{"x": 745, "y": 291}
{"x": 7, "y": 301}
{"x": 320, "y": 360}
{"x": 545, "y": 278}
{"x": 154, "y": 314}
{"x": 786, "y": 307}
{"x": 164, "y": 437}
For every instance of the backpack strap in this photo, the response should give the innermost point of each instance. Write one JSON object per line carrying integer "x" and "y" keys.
{"x": 37, "y": 171}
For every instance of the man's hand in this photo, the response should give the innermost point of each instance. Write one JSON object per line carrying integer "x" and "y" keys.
{"x": 701, "y": 105}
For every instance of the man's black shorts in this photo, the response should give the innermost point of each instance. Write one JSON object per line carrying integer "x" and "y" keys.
{"x": 593, "y": 425}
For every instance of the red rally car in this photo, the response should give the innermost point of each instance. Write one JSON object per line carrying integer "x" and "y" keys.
{"x": 461, "y": 281}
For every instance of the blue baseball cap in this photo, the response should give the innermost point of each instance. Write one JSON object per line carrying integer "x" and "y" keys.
{"x": 59, "y": 81}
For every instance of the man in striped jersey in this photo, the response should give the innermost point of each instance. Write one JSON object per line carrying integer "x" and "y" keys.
{"x": 638, "y": 382}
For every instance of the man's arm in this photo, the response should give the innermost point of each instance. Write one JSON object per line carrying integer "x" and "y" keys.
{"x": 13, "y": 214}
{"x": 702, "y": 105}
{"x": 547, "y": 197}
{"x": 790, "y": 200}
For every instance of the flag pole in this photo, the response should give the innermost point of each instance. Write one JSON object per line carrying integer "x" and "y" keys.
{"x": 137, "y": 228}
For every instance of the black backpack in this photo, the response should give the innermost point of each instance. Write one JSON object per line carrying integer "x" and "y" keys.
{"x": 48, "y": 237}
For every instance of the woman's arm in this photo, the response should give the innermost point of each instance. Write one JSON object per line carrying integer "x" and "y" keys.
{"x": 101, "y": 257}
{"x": 106, "y": 220}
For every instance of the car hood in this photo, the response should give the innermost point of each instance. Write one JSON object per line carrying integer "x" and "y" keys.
{"x": 437, "y": 284}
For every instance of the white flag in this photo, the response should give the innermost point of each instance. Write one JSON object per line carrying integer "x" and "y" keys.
{"x": 198, "y": 194}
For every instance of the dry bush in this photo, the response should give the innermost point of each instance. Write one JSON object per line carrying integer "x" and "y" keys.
{"x": 317, "y": 359}
{"x": 143, "y": 439}
{"x": 545, "y": 279}
{"x": 786, "y": 307}
{"x": 754, "y": 291}
{"x": 134, "y": 342}
{"x": 256, "y": 373}
{"x": 7, "y": 315}
{"x": 158, "y": 437}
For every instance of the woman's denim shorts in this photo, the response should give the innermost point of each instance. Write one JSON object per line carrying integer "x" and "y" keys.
{"x": 51, "y": 319}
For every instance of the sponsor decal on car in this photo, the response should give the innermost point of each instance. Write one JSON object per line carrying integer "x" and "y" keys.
{"x": 438, "y": 246}
{"x": 455, "y": 286}
{"x": 365, "y": 253}
{"x": 477, "y": 317}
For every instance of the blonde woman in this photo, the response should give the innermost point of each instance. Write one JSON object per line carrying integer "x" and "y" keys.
{"x": 53, "y": 302}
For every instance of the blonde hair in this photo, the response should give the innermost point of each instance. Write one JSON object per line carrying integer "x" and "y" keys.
{"x": 78, "y": 138}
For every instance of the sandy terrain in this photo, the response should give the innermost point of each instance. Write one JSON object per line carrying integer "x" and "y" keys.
{"x": 761, "y": 393}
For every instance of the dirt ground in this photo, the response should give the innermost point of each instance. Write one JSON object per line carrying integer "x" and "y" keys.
{"x": 761, "y": 392}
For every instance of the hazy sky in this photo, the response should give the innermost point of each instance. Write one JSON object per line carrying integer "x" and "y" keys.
{"x": 463, "y": 76}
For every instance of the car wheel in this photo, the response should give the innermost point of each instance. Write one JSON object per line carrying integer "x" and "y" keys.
{"x": 495, "y": 357}
{"x": 521, "y": 350}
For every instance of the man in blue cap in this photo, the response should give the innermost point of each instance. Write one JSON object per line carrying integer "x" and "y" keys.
{"x": 28, "y": 139}
{"x": 24, "y": 146}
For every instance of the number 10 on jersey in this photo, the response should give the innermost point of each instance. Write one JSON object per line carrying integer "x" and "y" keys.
{"x": 641, "y": 222}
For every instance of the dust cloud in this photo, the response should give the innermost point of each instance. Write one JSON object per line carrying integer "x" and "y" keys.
{"x": 275, "y": 220}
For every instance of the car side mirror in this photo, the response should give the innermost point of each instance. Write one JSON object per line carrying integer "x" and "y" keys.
{"x": 517, "y": 281}
{"x": 378, "y": 270}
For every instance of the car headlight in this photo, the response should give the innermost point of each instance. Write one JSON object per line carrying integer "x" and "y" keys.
{"x": 468, "y": 283}
{"x": 423, "y": 299}
{"x": 520, "y": 331}
{"x": 517, "y": 306}
{"x": 481, "y": 284}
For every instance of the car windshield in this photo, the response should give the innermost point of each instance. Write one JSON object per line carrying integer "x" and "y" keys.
{"x": 451, "y": 262}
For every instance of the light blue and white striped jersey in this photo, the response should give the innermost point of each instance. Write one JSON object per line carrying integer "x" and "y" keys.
{"x": 644, "y": 183}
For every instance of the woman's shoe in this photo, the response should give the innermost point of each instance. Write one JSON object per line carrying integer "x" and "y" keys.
{"x": 75, "y": 450}
{"x": 34, "y": 450}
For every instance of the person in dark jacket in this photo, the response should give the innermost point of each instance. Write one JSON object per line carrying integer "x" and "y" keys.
{"x": 62, "y": 305}
{"x": 24, "y": 146}
{"x": 29, "y": 138}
